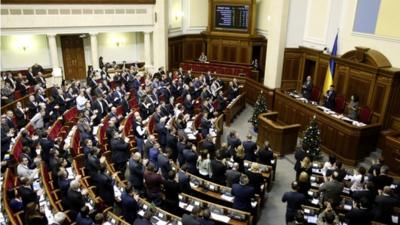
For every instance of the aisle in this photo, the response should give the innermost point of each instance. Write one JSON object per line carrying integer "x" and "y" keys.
{"x": 274, "y": 210}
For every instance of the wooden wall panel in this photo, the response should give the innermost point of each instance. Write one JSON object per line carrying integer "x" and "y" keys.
{"x": 291, "y": 70}
{"x": 321, "y": 73}
{"x": 360, "y": 87}
{"x": 185, "y": 47}
{"x": 341, "y": 78}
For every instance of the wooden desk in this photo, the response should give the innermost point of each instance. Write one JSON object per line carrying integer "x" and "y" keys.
{"x": 283, "y": 139}
{"x": 348, "y": 142}
{"x": 391, "y": 152}
{"x": 234, "y": 108}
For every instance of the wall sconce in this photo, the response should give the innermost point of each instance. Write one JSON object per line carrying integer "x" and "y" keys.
{"x": 24, "y": 47}
{"x": 117, "y": 43}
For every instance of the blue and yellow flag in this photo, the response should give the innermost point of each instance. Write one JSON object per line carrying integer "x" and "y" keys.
{"x": 331, "y": 68}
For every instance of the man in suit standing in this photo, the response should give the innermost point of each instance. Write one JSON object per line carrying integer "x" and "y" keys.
{"x": 120, "y": 152}
{"x": 359, "y": 214}
{"x": 218, "y": 169}
{"x": 129, "y": 204}
{"x": 384, "y": 204}
{"x": 193, "y": 218}
{"x": 330, "y": 98}
{"x": 307, "y": 88}
{"x": 190, "y": 156}
{"x": 265, "y": 155}
{"x": 30, "y": 77}
{"x": 294, "y": 201}
{"x": 250, "y": 148}
{"x": 208, "y": 144}
{"x": 40, "y": 80}
{"x": 75, "y": 197}
{"x": 104, "y": 184}
{"x": 205, "y": 125}
{"x": 243, "y": 194}
{"x": 232, "y": 175}
{"x": 136, "y": 172}
{"x": 332, "y": 189}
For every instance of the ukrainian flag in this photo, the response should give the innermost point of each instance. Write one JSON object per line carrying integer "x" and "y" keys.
{"x": 330, "y": 72}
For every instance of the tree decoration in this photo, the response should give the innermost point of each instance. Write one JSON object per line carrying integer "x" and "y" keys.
{"x": 312, "y": 139}
{"x": 259, "y": 107}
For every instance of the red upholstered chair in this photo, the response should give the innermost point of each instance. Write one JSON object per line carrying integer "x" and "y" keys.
{"x": 151, "y": 125}
{"x": 179, "y": 100}
{"x": 17, "y": 95}
{"x": 340, "y": 103}
{"x": 197, "y": 121}
{"x": 315, "y": 94}
{"x": 365, "y": 115}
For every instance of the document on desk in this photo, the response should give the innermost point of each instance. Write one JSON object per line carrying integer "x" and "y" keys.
{"x": 227, "y": 198}
{"x": 161, "y": 222}
{"x": 141, "y": 213}
{"x": 395, "y": 219}
{"x": 312, "y": 219}
{"x": 70, "y": 173}
{"x": 218, "y": 217}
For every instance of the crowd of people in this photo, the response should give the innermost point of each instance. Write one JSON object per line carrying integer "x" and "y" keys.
{"x": 371, "y": 193}
{"x": 156, "y": 169}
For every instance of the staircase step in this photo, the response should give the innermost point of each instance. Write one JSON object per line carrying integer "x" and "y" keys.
{"x": 376, "y": 154}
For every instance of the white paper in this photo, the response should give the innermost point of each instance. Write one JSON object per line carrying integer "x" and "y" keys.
{"x": 313, "y": 178}
{"x": 141, "y": 213}
{"x": 347, "y": 207}
{"x": 222, "y": 218}
{"x": 395, "y": 219}
{"x": 227, "y": 198}
{"x": 310, "y": 193}
{"x": 192, "y": 185}
{"x": 315, "y": 201}
{"x": 312, "y": 219}
{"x": 189, "y": 208}
{"x": 182, "y": 205}
{"x": 307, "y": 211}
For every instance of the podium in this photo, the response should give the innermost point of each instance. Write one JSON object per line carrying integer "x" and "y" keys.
{"x": 282, "y": 138}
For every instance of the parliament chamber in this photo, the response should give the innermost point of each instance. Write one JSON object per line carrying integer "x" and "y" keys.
{"x": 199, "y": 112}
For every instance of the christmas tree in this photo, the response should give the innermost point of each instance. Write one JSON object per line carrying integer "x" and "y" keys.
{"x": 259, "y": 107}
{"x": 312, "y": 139}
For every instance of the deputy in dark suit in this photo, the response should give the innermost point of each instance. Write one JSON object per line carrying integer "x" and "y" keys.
{"x": 30, "y": 77}
{"x": 294, "y": 201}
{"x": 163, "y": 161}
{"x": 26, "y": 192}
{"x": 193, "y": 218}
{"x": 359, "y": 214}
{"x": 218, "y": 169}
{"x": 119, "y": 152}
{"x": 232, "y": 175}
{"x": 32, "y": 106}
{"x": 162, "y": 131}
{"x": 184, "y": 180}
{"x": 330, "y": 98}
{"x": 125, "y": 104}
{"x": 265, "y": 155}
{"x": 129, "y": 204}
{"x": 233, "y": 141}
{"x": 383, "y": 207}
{"x": 36, "y": 68}
{"x": 136, "y": 171}
{"x": 75, "y": 199}
{"x": 332, "y": 189}
{"x": 382, "y": 179}
{"x": 104, "y": 184}
{"x": 145, "y": 220}
{"x": 190, "y": 157}
{"x": 255, "y": 177}
{"x": 46, "y": 145}
{"x": 243, "y": 194}
{"x": 209, "y": 145}
{"x": 171, "y": 192}
{"x": 205, "y": 125}
{"x": 40, "y": 80}
{"x": 20, "y": 116}
{"x": 307, "y": 88}
{"x": 250, "y": 148}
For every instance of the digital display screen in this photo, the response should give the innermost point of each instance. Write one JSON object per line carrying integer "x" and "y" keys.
{"x": 232, "y": 17}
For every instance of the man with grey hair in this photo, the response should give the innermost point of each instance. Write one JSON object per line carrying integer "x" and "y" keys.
{"x": 233, "y": 175}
